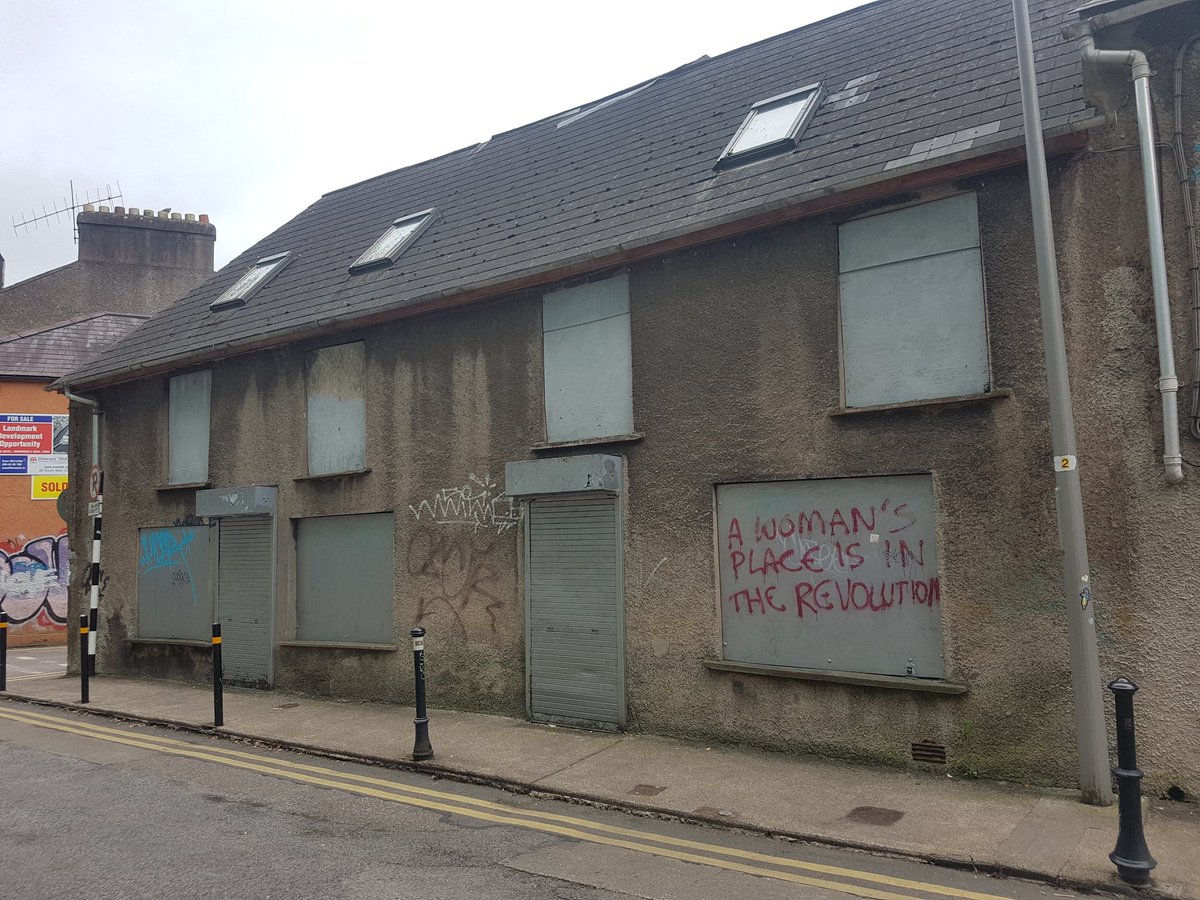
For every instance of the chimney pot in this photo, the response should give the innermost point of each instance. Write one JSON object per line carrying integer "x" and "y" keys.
{"x": 134, "y": 211}
{"x": 162, "y": 213}
{"x": 103, "y": 209}
{"x": 120, "y": 210}
{"x": 189, "y": 217}
{"x": 204, "y": 218}
{"x": 88, "y": 207}
{"x": 176, "y": 216}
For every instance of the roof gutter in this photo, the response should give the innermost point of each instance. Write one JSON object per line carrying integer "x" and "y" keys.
{"x": 1168, "y": 382}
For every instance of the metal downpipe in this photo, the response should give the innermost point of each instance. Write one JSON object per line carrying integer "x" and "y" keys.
{"x": 95, "y": 405}
{"x": 1168, "y": 381}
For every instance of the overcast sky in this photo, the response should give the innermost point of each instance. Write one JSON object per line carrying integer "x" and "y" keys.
{"x": 249, "y": 110}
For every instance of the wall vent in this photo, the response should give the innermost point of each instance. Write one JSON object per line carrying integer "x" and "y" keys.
{"x": 929, "y": 752}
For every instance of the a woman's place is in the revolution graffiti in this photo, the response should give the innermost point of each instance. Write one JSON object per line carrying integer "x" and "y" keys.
{"x": 832, "y": 573}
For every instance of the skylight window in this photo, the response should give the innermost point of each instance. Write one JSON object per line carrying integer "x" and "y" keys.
{"x": 252, "y": 281}
{"x": 394, "y": 241}
{"x": 772, "y": 126}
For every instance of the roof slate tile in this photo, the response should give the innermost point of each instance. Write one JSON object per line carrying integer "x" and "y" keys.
{"x": 538, "y": 197}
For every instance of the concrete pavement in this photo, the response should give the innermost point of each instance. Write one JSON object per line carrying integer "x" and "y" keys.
{"x": 930, "y": 816}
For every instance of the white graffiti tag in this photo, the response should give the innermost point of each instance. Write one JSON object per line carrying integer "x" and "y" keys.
{"x": 478, "y": 503}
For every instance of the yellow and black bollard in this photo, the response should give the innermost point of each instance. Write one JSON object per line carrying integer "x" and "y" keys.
{"x": 422, "y": 749}
{"x": 83, "y": 659}
{"x": 3, "y": 651}
{"x": 218, "y": 698}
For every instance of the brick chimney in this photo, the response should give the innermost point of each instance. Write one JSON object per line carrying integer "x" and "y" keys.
{"x": 146, "y": 238}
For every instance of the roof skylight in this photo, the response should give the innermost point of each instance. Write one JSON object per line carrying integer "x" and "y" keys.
{"x": 394, "y": 241}
{"x": 252, "y": 281}
{"x": 772, "y": 126}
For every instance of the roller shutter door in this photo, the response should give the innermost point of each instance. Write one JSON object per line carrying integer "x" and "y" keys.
{"x": 244, "y": 572}
{"x": 575, "y": 621}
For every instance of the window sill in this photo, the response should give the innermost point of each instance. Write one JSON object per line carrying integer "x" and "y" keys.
{"x": 892, "y": 682}
{"x": 939, "y": 402}
{"x": 587, "y": 442}
{"x": 349, "y": 473}
{"x": 342, "y": 645}
{"x": 177, "y": 642}
{"x": 187, "y": 486}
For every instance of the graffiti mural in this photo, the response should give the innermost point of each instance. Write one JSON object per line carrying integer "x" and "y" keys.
{"x": 33, "y": 582}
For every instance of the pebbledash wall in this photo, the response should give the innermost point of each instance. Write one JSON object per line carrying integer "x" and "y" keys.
{"x": 735, "y": 375}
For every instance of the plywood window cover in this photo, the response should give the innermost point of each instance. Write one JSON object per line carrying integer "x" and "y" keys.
{"x": 383, "y": 252}
{"x": 253, "y": 280}
{"x": 808, "y": 98}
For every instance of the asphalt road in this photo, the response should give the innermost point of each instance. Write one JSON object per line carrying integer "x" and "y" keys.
{"x": 36, "y": 662}
{"x": 96, "y": 808}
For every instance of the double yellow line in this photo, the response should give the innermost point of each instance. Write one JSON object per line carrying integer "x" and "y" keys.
{"x": 849, "y": 881}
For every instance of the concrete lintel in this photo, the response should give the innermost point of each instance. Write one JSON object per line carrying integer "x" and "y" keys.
{"x": 237, "y": 501}
{"x": 590, "y": 473}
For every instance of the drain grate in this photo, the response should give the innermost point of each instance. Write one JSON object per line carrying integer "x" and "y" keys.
{"x": 929, "y": 752}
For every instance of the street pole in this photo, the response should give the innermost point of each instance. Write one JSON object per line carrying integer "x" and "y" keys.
{"x": 1090, "y": 735}
{"x": 422, "y": 749}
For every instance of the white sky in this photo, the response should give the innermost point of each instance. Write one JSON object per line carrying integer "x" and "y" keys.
{"x": 249, "y": 110}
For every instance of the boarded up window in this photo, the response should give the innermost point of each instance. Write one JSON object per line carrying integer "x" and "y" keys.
{"x": 187, "y": 428}
{"x": 337, "y": 414}
{"x": 588, "y": 366}
{"x": 175, "y": 582}
{"x": 912, "y": 309}
{"x": 837, "y": 573}
{"x": 345, "y": 578}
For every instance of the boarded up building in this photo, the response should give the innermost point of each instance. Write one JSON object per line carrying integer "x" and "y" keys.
{"x": 714, "y": 407}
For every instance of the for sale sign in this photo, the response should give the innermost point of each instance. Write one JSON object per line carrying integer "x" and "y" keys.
{"x": 26, "y": 435}
{"x": 33, "y": 444}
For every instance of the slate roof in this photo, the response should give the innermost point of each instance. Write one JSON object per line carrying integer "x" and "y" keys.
{"x": 910, "y": 84}
{"x": 51, "y": 351}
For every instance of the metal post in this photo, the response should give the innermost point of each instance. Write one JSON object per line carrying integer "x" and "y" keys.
{"x": 83, "y": 660}
{"x": 421, "y": 746}
{"x": 1090, "y": 733}
{"x": 94, "y": 595}
{"x": 3, "y": 651}
{"x": 1131, "y": 856}
{"x": 218, "y": 698}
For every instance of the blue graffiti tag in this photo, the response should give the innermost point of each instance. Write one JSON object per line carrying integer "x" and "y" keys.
{"x": 168, "y": 548}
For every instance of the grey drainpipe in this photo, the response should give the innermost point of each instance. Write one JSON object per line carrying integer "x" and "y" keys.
{"x": 95, "y": 405}
{"x": 1168, "y": 383}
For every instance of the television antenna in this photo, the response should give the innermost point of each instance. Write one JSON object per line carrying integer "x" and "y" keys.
{"x": 66, "y": 209}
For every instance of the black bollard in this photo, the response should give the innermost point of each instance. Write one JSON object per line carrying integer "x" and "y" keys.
{"x": 3, "y": 651}
{"x": 218, "y": 698}
{"x": 422, "y": 749}
{"x": 83, "y": 659}
{"x": 1131, "y": 856}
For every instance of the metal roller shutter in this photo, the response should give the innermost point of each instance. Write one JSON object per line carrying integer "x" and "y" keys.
{"x": 244, "y": 572}
{"x": 575, "y": 615}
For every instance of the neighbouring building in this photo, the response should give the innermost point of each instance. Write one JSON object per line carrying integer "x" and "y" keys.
{"x": 715, "y": 407}
{"x": 130, "y": 265}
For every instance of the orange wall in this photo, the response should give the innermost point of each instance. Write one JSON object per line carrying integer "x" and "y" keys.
{"x": 33, "y": 544}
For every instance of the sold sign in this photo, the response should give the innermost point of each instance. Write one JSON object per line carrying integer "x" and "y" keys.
{"x": 48, "y": 487}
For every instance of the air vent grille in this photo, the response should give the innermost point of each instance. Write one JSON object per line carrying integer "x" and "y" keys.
{"x": 929, "y": 752}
